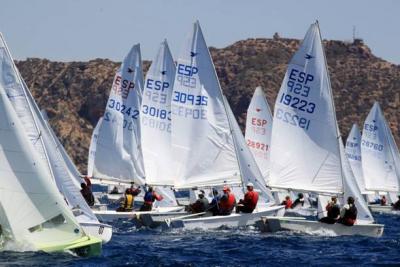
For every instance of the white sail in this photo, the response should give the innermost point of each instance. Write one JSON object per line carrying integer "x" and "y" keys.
{"x": 304, "y": 146}
{"x": 202, "y": 144}
{"x": 353, "y": 153}
{"x": 118, "y": 152}
{"x": 156, "y": 118}
{"x": 259, "y": 130}
{"x": 92, "y": 147}
{"x": 351, "y": 188}
{"x": 377, "y": 158}
{"x": 249, "y": 169}
{"x": 31, "y": 208}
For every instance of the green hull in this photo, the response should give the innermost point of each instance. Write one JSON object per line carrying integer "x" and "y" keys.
{"x": 85, "y": 246}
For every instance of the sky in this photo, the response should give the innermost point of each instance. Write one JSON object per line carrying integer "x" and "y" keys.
{"x": 80, "y": 30}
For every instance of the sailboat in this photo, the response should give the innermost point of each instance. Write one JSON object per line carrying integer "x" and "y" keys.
{"x": 208, "y": 147}
{"x": 117, "y": 155}
{"x": 306, "y": 151}
{"x": 32, "y": 210}
{"x": 380, "y": 158}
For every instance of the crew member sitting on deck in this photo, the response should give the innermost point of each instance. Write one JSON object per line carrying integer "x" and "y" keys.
{"x": 114, "y": 191}
{"x": 298, "y": 202}
{"x": 249, "y": 203}
{"x": 383, "y": 201}
{"x": 333, "y": 210}
{"x": 87, "y": 194}
{"x": 214, "y": 207}
{"x": 227, "y": 202}
{"x": 201, "y": 204}
{"x": 88, "y": 182}
{"x": 396, "y": 206}
{"x": 149, "y": 197}
{"x": 287, "y": 202}
{"x": 348, "y": 214}
{"x": 127, "y": 203}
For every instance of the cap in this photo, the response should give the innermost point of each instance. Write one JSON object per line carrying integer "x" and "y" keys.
{"x": 250, "y": 184}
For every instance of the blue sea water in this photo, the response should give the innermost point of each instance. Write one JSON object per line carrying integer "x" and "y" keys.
{"x": 228, "y": 247}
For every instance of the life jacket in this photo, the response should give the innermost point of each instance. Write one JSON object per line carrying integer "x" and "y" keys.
{"x": 149, "y": 198}
{"x": 350, "y": 216}
{"x": 226, "y": 205}
{"x": 251, "y": 199}
{"x": 288, "y": 203}
{"x": 128, "y": 202}
{"x": 383, "y": 201}
{"x": 333, "y": 211}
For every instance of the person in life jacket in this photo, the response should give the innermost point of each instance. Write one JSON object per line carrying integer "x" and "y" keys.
{"x": 299, "y": 202}
{"x": 249, "y": 202}
{"x": 396, "y": 206}
{"x": 287, "y": 202}
{"x": 87, "y": 194}
{"x": 135, "y": 191}
{"x": 214, "y": 205}
{"x": 127, "y": 203}
{"x": 348, "y": 214}
{"x": 333, "y": 210}
{"x": 201, "y": 204}
{"x": 149, "y": 197}
{"x": 87, "y": 181}
{"x": 227, "y": 202}
{"x": 383, "y": 201}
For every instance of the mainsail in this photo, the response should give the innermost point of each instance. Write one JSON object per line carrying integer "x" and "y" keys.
{"x": 353, "y": 153}
{"x": 249, "y": 170}
{"x": 202, "y": 144}
{"x": 156, "y": 118}
{"x": 378, "y": 160}
{"x": 92, "y": 147}
{"x": 118, "y": 153}
{"x": 305, "y": 147}
{"x": 259, "y": 130}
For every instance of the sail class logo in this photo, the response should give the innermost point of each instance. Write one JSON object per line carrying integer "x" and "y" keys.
{"x": 163, "y": 72}
{"x": 193, "y": 54}
{"x": 308, "y": 56}
{"x": 130, "y": 70}
{"x": 258, "y": 109}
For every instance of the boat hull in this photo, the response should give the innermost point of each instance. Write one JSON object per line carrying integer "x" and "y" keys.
{"x": 86, "y": 246}
{"x": 112, "y": 215}
{"x": 98, "y": 230}
{"x": 304, "y": 212}
{"x": 273, "y": 224}
{"x": 383, "y": 209}
{"x": 213, "y": 222}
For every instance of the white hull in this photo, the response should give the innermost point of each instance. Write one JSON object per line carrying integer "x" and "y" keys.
{"x": 99, "y": 230}
{"x": 273, "y": 224}
{"x": 383, "y": 209}
{"x": 112, "y": 215}
{"x": 306, "y": 212}
{"x": 233, "y": 220}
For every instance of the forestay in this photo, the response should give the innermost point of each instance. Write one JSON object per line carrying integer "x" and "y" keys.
{"x": 304, "y": 146}
{"x": 202, "y": 143}
{"x": 92, "y": 147}
{"x": 31, "y": 208}
{"x": 118, "y": 153}
{"x": 259, "y": 130}
{"x": 353, "y": 153}
{"x": 377, "y": 157}
{"x": 156, "y": 118}
{"x": 249, "y": 169}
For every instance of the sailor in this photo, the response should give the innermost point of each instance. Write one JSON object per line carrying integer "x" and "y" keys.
{"x": 249, "y": 203}
{"x": 214, "y": 207}
{"x": 87, "y": 181}
{"x": 135, "y": 191}
{"x": 383, "y": 201}
{"x": 333, "y": 210}
{"x": 149, "y": 197}
{"x": 396, "y": 206}
{"x": 348, "y": 214}
{"x": 127, "y": 203}
{"x": 299, "y": 201}
{"x": 114, "y": 191}
{"x": 201, "y": 204}
{"x": 287, "y": 202}
{"x": 227, "y": 202}
{"x": 87, "y": 194}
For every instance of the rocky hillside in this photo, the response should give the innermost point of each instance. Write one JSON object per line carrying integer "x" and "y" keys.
{"x": 75, "y": 93}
